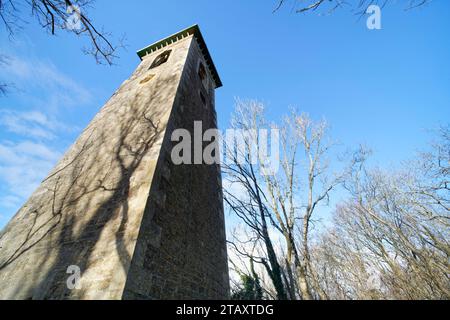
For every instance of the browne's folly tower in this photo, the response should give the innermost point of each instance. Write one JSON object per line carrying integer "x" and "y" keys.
{"x": 116, "y": 218}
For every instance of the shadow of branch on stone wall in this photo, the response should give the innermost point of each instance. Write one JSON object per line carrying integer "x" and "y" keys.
{"x": 127, "y": 158}
{"x": 87, "y": 193}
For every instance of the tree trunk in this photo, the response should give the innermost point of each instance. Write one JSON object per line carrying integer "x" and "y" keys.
{"x": 303, "y": 283}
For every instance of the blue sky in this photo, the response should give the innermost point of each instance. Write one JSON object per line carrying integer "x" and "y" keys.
{"x": 383, "y": 88}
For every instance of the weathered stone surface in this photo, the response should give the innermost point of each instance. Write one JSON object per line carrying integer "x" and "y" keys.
{"x": 116, "y": 206}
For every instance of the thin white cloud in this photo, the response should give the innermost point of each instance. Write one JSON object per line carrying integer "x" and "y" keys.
{"x": 10, "y": 201}
{"x": 23, "y": 165}
{"x": 37, "y": 117}
{"x": 46, "y": 76}
{"x": 32, "y": 124}
{"x": 37, "y": 150}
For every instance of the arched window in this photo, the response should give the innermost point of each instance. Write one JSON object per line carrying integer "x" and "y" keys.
{"x": 162, "y": 58}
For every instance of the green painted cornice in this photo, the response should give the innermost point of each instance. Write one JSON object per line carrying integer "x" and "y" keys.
{"x": 193, "y": 30}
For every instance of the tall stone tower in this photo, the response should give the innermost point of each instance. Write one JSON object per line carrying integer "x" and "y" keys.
{"x": 116, "y": 218}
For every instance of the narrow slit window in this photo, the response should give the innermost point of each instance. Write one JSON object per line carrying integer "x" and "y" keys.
{"x": 202, "y": 75}
{"x": 202, "y": 97}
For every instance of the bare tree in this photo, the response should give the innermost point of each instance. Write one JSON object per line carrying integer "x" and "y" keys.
{"x": 303, "y": 184}
{"x": 251, "y": 206}
{"x": 358, "y": 6}
{"x": 3, "y": 85}
{"x": 68, "y": 15}
{"x": 287, "y": 200}
{"x": 390, "y": 238}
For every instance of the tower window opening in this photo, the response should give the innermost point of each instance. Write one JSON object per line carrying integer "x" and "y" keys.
{"x": 202, "y": 75}
{"x": 202, "y": 97}
{"x": 162, "y": 58}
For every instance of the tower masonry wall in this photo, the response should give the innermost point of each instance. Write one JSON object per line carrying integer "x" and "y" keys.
{"x": 181, "y": 250}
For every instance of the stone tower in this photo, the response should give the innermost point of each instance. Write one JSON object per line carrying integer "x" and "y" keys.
{"x": 116, "y": 218}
